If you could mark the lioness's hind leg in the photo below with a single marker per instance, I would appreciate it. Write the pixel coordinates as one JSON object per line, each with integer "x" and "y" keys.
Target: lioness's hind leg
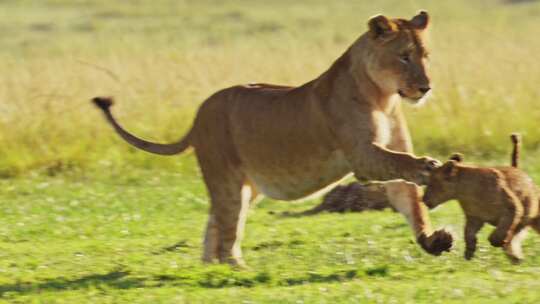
{"x": 229, "y": 205}
{"x": 211, "y": 239}
{"x": 230, "y": 208}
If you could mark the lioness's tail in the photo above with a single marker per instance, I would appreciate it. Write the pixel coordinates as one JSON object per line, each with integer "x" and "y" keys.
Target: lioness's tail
{"x": 104, "y": 103}
{"x": 516, "y": 141}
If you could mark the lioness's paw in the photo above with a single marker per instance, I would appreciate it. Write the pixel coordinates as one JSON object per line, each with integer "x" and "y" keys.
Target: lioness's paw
{"x": 429, "y": 164}
{"x": 437, "y": 243}
{"x": 425, "y": 165}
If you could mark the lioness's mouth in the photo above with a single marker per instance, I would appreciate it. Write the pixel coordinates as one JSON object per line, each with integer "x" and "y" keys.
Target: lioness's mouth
{"x": 416, "y": 100}
{"x": 403, "y": 95}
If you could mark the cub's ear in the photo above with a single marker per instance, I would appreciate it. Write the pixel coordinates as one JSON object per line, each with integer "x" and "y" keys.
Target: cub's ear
{"x": 458, "y": 157}
{"x": 420, "y": 21}
{"x": 450, "y": 169}
{"x": 380, "y": 26}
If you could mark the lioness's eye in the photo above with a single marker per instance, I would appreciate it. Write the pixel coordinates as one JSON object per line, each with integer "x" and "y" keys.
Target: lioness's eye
{"x": 405, "y": 58}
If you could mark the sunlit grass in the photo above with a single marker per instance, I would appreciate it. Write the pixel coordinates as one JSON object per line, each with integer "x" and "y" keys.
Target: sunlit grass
{"x": 163, "y": 58}
{"x": 135, "y": 236}
{"x": 87, "y": 219}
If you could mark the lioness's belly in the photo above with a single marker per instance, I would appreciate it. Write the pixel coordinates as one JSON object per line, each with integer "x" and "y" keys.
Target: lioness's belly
{"x": 301, "y": 178}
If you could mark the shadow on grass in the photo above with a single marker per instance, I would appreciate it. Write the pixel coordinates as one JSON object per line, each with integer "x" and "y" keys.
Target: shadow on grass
{"x": 115, "y": 279}
{"x": 207, "y": 278}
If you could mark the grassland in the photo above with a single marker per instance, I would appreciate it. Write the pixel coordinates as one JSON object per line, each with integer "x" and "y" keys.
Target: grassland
{"x": 86, "y": 219}
{"x": 135, "y": 237}
{"x": 163, "y": 58}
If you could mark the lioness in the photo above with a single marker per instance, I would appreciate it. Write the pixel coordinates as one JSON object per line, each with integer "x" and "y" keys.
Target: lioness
{"x": 505, "y": 197}
{"x": 289, "y": 142}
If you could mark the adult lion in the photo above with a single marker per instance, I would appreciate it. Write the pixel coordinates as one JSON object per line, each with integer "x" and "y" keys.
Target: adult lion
{"x": 289, "y": 142}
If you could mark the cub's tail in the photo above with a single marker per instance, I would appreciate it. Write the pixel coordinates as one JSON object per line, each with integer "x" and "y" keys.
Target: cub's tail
{"x": 105, "y": 103}
{"x": 516, "y": 141}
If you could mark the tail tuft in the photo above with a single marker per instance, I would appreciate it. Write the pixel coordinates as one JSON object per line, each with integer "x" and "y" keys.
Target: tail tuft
{"x": 516, "y": 138}
{"x": 104, "y": 103}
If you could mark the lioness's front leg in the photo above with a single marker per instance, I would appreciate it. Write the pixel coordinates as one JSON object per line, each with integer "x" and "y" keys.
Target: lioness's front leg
{"x": 400, "y": 140}
{"x": 371, "y": 161}
{"x": 406, "y": 198}
{"x": 384, "y": 164}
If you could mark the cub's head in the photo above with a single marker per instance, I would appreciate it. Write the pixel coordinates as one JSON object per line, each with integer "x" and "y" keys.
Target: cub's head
{"x": 395, "y": 55}
{"x": 442, "y": 182}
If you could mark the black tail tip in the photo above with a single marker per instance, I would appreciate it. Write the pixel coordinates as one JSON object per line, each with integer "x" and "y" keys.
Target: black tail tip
{"x": 103, "y": 103}
{"x": 515, "y": 137}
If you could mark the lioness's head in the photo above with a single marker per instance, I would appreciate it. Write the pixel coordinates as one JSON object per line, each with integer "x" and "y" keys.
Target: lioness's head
{"x": 395, "y": 56}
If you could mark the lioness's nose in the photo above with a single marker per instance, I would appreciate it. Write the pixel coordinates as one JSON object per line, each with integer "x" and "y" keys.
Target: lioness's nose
{"x": 424, "y": 90}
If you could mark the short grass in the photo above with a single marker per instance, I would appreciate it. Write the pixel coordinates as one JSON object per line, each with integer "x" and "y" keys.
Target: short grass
{"x": 135, "y": 237}
{"x": 85, "y": 219}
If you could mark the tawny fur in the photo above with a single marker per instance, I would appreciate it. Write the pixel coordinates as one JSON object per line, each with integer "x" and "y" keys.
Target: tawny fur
{"x": 505, "y": 197}
{"x": 288, "y": 142}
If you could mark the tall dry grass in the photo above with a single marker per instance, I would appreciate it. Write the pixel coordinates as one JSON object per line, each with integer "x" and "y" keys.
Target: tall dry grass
{"x": 160, "y": 59}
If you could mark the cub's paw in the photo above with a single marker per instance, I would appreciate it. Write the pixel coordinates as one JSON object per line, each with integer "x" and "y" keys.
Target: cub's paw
{"x": 437, "y": 243}
{"x": 496, "y": 240}
{"x": 469, "y": 254}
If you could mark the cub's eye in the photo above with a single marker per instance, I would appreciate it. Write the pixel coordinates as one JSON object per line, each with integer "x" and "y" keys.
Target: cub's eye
{"x": 405, "y": 58}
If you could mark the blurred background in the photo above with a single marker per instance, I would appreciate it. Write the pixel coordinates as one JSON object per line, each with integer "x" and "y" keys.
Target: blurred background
{"x": 162, "y": 58}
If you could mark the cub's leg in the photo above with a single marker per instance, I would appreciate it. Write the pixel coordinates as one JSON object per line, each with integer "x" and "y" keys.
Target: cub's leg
{"x": 513, "y": 249}
{"x": 472, "y": 226}
{"x": 405, "y": 197}
{"x": 535, "y": 224}
{"x": 508, "y": 223}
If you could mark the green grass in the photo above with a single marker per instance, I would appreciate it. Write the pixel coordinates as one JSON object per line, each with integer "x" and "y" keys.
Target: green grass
{"x": 135, "y": 236}
{"x": 86, "y": 219}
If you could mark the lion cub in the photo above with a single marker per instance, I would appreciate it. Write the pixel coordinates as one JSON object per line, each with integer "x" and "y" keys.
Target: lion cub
{"x": 505, "y": 197}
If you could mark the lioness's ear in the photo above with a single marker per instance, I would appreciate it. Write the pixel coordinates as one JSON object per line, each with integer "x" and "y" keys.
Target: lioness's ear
{"x": 380, "y": 26}
{"x": 420, "y": 21}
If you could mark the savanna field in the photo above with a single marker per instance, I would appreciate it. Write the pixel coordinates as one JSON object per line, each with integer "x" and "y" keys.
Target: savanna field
{"x": 86, "y": 219}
